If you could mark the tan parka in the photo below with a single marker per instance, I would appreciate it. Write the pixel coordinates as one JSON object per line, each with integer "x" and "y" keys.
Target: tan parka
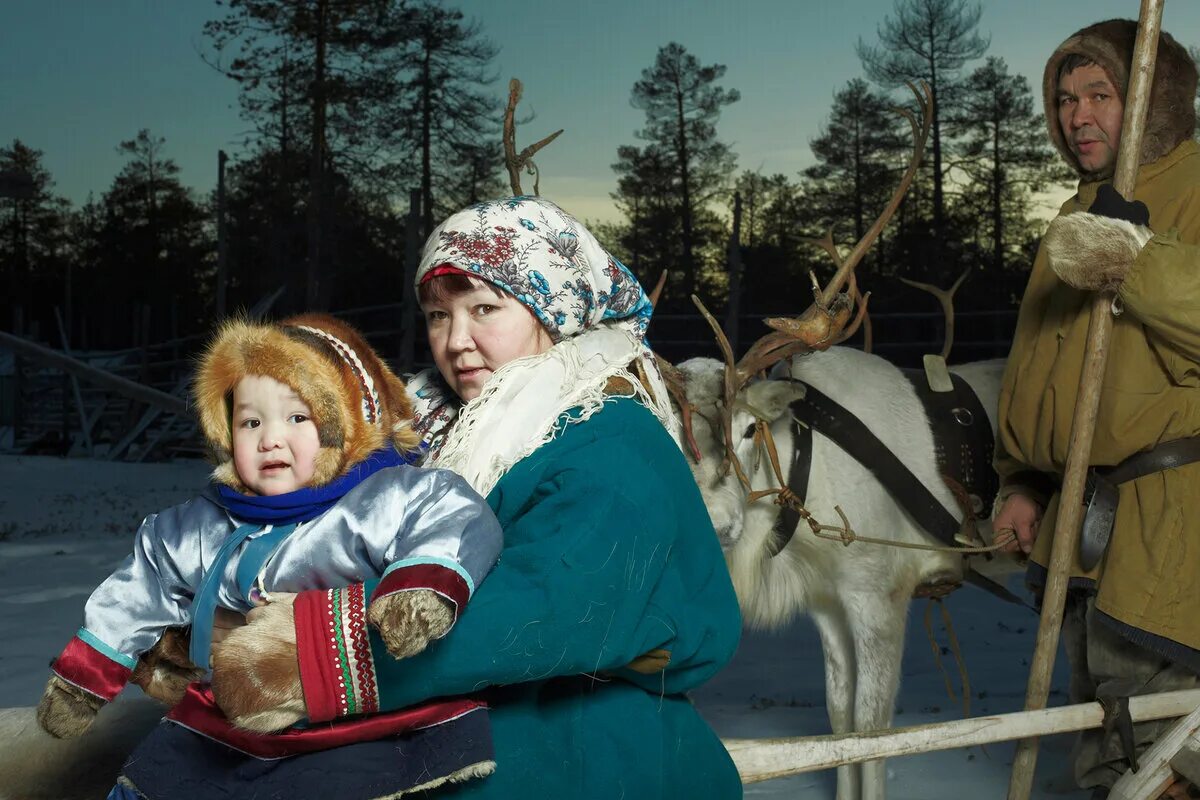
{"x": 1149, "y": 580}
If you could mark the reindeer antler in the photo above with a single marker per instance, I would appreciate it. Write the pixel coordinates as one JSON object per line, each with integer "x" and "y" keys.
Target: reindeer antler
{"x": 946, "y": 298}
{"x": 831, "y": 318}
{"x": 517, "y": 161}
{"x": 656, "y": 292}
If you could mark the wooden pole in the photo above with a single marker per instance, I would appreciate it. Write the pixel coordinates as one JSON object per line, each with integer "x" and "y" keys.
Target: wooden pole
{"x": 1083, "y": 425}
{"x": 764, "y": 759}
{"x": 114, "y": 383}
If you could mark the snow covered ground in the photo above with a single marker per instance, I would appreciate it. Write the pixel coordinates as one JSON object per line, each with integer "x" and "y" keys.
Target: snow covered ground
{"x": 64, "y": 524}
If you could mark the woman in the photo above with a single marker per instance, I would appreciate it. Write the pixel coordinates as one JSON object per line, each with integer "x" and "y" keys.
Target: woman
{"x": 611, "y": 598}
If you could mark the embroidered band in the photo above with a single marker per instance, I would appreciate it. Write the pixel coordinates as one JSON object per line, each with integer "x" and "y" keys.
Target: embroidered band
{"x": 370, "y": 396}
{"x": 337, "y": 670}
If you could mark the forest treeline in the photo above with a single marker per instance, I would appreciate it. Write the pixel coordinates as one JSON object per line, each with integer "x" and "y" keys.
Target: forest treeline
{"x": 354, "y": 105}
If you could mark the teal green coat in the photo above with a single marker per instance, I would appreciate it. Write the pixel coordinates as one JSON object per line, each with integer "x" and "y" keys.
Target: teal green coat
{"x": 608, "y": 554}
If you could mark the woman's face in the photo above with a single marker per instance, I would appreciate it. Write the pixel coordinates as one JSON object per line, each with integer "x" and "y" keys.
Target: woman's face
{"x": 475, "y": 333}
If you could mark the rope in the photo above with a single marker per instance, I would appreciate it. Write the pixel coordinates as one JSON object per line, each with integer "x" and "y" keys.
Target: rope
{"x": 954, "y": 648}
{"x": 839, "y": 533}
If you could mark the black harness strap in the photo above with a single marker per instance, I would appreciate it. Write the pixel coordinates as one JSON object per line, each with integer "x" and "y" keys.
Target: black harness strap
{"x": 962, "y": 437}
{"x": 815, "y": 411}
{"x": 797, "y": 482}
{"x": 849, "y": 433}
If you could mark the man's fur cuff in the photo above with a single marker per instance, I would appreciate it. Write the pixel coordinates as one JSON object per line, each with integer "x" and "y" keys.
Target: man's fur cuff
{"x": 1093, "y": 252}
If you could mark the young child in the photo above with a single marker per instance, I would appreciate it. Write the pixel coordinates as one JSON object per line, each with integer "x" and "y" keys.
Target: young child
{"x": 312, "y": 439}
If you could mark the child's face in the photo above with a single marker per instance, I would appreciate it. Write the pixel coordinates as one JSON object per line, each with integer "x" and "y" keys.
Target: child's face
{"x": 275, "y": 442}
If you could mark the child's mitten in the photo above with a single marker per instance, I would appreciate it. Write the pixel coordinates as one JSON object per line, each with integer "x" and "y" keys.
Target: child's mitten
{"x": 408, "y": 621}
{"x": 256, "y": 675}
{"x": 67, "y": 711}
{"x": 164, "y": 671}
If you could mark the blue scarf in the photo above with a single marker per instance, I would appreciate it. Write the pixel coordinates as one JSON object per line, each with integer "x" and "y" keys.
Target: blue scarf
{"x": 308, "y": 503}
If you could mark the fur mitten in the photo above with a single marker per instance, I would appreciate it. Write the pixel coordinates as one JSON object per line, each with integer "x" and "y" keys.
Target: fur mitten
{"x": 256, "y": 674}
{"x": 67, "y": 711}
{"x": 408, "y": 621}
{"x": 1094, "y": 252}
{"x": 165, "y": 670}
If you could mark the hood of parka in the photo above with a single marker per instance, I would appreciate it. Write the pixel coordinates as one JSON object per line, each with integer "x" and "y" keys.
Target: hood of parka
{"x": 1171, "y": 118}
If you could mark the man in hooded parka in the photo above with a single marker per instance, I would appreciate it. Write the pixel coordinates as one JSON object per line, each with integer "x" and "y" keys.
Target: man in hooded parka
{"x": 1132, "y": 623}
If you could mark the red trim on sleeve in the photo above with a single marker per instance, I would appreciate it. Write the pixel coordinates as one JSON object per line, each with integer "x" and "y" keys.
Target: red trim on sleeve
{"x": 443, "y": 580}
{"x": 84, "y": 666}
{"x": 317, "y": 669}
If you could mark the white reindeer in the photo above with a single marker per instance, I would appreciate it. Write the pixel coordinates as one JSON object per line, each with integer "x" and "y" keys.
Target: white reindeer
{"x": 858, "y": 596}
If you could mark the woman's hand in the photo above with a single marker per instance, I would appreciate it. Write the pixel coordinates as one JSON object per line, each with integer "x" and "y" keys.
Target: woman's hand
{"x": 1022, "y": 515}
{"x": 256, "y": 675}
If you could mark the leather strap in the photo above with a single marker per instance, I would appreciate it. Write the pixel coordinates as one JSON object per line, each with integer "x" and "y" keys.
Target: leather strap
{"x": 849, "y": 433}
{"x": 1168, "y": 455}
{"x": 829, "y": 419}
{"x": 962, "y": 436}
{"x": 797, "y": 482}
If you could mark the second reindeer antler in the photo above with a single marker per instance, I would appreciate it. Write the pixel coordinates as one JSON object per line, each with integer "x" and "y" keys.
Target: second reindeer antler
{"x": 524, "y": 160}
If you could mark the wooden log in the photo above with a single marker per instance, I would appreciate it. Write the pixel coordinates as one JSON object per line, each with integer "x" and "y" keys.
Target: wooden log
{"x": 1187, "y": 761}
{"x": 100, "y": 377}
{"x": 764, "y": 759}
{"x": 1087, "y": 404}
{"x": 1155, "y": 773}
{"x": 36, "y": 766}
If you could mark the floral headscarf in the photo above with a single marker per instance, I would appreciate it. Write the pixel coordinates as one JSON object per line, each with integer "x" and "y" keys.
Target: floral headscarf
{"x": 593, "y": 307}
{"x": 537, "y": 252}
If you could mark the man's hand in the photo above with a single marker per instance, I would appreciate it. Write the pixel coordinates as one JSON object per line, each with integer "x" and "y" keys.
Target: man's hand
{"x": 1094, "y": 251}
{"x": 1022, "y": 515}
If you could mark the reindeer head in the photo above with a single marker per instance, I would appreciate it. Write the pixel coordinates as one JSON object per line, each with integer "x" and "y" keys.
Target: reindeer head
{"x": 764, "y": 400}
{"x": 723, "y": 405}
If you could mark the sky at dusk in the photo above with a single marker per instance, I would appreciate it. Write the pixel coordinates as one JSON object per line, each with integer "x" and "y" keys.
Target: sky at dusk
{"x": 79, "y": 76}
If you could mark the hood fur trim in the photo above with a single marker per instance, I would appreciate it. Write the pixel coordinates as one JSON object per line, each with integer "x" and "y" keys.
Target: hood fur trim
{"x": 324, "y": 380}
{"x": 1171, "y": 118}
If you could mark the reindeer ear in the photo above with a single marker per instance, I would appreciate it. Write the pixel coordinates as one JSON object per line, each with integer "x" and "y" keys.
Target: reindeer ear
{"x": 771, "y": 398}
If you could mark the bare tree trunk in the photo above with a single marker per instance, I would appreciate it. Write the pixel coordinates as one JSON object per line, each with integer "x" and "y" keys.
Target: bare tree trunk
{"x": 997, "y": 210}
{"x": 685, "y": 197}
{"x": 316, "y": 163}
{"x": 426, "y": 144}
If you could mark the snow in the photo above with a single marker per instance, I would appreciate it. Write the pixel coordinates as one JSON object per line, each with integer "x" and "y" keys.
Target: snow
{"x": 66, "y": 523}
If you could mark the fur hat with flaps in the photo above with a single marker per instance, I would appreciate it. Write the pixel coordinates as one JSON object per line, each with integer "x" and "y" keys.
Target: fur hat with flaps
{"x": 357, "y": 403}
{"x": 1171, "y": 118}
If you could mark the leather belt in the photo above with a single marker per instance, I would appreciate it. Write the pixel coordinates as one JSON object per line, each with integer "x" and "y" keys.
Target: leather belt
{"x": 1100, "y": 495}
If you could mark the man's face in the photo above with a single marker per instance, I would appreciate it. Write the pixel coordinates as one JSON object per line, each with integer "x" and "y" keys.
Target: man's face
{"x": 1090, "y": 113}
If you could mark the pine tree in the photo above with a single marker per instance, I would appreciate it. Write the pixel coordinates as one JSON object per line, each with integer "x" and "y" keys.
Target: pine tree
{"x": 319, "y": 60}
{"x": 444, "y": 113}
{"x": 857, "y": 152}
{"x": 34, "y": 236}
{"x": 1003, "y": 151}
{"x": 154, "y": 243}
{"x": 927, "y": 40}
{"x": 682, "y": 103}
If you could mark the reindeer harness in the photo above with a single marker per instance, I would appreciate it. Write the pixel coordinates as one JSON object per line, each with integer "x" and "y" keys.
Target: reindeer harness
{"x": 963, "y": 445}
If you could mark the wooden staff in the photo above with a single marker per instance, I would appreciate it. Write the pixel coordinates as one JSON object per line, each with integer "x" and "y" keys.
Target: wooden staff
{"x": 1083, "y": 425}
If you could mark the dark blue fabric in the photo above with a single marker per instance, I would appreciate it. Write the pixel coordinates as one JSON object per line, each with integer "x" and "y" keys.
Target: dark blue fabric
{"x": 120, "y": 792}
{"x": 308, "y": 503}
{"x": 173, "y": 762}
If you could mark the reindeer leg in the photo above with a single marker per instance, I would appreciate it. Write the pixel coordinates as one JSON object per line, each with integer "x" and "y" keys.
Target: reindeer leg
{"x": 877, "y": 622}
{"x": 838, "y": 647}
